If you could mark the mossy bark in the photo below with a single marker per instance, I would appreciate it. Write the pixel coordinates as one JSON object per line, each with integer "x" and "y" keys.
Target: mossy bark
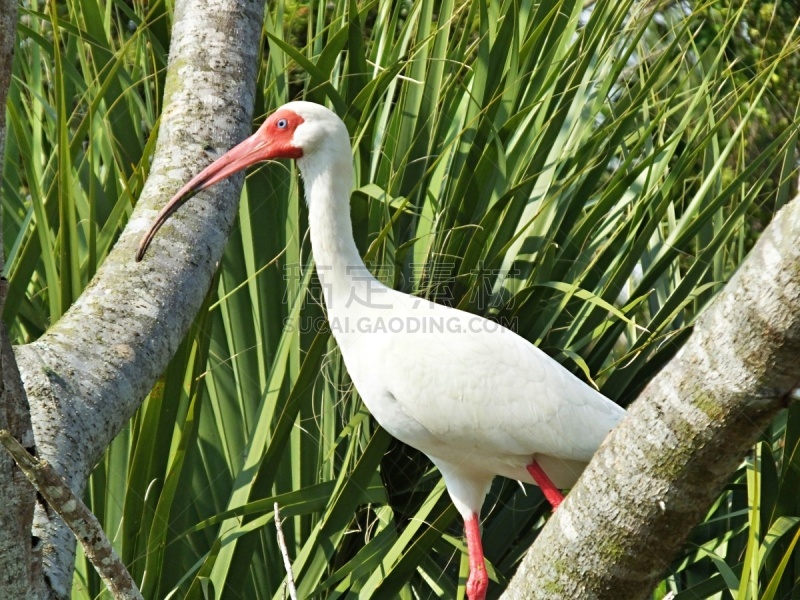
{"x": 18, "y": 557}
{"x": 659, "y": 471}
{"x": 91, "y": 370}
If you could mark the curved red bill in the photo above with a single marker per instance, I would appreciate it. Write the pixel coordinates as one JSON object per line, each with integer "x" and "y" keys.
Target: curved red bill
{"x": 267, "y": 143}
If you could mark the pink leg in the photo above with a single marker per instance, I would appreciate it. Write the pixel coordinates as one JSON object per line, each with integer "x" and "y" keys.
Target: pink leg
{"x": 478, "y": 579}
{"x": 550, "y": 491}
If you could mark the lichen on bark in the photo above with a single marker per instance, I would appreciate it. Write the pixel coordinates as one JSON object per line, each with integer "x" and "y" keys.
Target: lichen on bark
{"x": 657, "y": 474}
{"x": 91, "y": 370}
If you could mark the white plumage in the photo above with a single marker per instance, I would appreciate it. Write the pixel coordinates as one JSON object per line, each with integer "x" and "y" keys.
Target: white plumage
{"x": 477, "y": 398}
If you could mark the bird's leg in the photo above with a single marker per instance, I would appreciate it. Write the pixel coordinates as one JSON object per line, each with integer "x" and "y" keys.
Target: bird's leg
{"x": 478, "y": 579}
{"x": 550, "y": 491}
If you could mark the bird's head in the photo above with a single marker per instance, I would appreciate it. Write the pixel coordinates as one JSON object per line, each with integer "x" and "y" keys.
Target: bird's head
{"x": 301, "y": 130}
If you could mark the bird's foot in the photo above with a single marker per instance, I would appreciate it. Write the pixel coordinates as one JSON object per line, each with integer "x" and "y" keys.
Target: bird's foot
{"x": 477, "y": 584}
{"x": 478, "y": 581}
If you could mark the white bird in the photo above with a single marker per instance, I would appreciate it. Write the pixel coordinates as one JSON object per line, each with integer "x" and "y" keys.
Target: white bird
{"x": 475, "y": 397}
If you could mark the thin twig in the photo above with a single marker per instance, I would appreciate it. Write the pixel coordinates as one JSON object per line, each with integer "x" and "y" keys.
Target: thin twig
{"x": 287, "y": 564}
{"x": 78, "y": 518}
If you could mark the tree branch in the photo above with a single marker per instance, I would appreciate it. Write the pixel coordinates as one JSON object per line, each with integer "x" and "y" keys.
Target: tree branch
{"x": 659, "y": 471}
{"x": 78, "y": 518}
{"x": 20, "y": 560}
{"x": 87, "y": 375}
{"x": 19, "y": 563}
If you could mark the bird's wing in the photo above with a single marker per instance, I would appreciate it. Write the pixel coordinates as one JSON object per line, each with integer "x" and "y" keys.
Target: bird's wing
{"x": 475, "y": 385}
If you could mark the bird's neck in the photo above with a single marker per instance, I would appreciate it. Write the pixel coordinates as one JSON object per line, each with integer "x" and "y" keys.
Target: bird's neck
{"x": 344, "y": 278}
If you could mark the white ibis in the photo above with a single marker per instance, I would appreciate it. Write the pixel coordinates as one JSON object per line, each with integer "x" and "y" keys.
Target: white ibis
{"x": 475, "y": 397}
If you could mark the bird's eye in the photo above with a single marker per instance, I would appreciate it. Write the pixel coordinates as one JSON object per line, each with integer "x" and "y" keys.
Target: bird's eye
{"x": 282, "y": 124}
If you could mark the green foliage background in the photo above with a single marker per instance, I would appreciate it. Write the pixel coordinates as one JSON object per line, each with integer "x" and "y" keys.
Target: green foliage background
{"x": 589, "y": 174}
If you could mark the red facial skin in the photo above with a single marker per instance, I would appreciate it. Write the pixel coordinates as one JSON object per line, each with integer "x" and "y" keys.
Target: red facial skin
{"x": 272, "y": 140}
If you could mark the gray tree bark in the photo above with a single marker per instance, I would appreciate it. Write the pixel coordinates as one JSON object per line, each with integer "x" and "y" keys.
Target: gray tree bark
{"x": 87, "y": 375}
{"x": 18, "y": 557}
{"x": 659, "y": 471}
